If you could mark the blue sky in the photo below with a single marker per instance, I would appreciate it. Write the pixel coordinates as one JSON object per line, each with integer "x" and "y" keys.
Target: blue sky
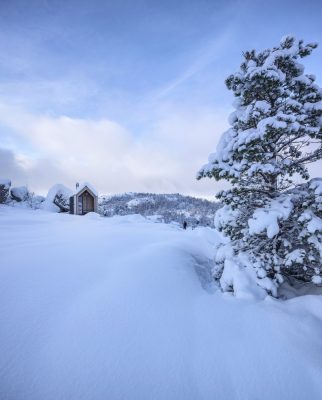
{"x": 129, "y": 95}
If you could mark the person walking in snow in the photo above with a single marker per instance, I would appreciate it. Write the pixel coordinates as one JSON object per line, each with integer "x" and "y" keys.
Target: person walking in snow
{"x": 184, "y": 225}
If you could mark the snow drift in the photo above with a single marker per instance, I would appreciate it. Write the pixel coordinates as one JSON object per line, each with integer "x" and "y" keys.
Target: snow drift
{"x": 112, "y": 308}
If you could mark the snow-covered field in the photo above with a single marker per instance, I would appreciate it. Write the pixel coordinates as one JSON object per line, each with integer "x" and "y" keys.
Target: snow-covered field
{"x": 113, "y": 308}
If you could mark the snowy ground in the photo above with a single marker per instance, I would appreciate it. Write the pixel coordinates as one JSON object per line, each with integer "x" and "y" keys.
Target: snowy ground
{"x": 96, "y": 308}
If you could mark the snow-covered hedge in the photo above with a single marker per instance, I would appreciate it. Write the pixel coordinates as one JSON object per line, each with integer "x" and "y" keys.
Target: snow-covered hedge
{"x": 4, "y": 190}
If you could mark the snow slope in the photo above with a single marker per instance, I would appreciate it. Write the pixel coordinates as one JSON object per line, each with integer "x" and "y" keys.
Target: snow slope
{"x": 112, "y": 308}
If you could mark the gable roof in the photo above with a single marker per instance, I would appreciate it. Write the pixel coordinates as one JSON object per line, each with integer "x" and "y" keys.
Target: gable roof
{"x": 83, "y": 186}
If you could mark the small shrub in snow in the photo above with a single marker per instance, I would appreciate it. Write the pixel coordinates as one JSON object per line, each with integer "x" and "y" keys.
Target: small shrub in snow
{"x": 274, "y": 226}
{"x": 19, "y": 193}
{"x": 4, "y": 190}
{"x": 35, "y": 201}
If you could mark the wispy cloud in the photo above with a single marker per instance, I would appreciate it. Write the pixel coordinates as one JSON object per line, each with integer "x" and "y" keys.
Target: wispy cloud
{"x": 201, "y": 59}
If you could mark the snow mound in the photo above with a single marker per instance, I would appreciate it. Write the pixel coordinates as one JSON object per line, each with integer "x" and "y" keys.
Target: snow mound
{"x": 19, "y": 193}
{"x": 127, "y": 219}
{"x": 92, "y": 215}
{"x": 57, "y": 199}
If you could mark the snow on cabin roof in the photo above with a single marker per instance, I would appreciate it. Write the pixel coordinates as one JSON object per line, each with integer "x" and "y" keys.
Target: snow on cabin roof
{"x": 86, "y": 185}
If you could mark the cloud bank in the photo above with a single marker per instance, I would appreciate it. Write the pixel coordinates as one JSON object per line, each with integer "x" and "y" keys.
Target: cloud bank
{"x": 64, "y": 149}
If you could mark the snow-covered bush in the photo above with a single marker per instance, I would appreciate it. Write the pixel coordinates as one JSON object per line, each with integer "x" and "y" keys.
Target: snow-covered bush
{"x": 4, "y": 190}
{"x": 57, "y": 199}
{"x": 275, "y": 133}
{"x": 25, "y": 198}
{"x": 19, "y": 193}
{"x": 35, "y": 201}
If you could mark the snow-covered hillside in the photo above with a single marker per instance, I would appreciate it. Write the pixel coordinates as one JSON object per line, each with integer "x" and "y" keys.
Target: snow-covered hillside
{"x": 168, "y": 207}
{"x": 123, "y": 308}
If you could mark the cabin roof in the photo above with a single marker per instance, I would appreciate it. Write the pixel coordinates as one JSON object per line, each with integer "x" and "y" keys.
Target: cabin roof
{"x": 83, "y": 186}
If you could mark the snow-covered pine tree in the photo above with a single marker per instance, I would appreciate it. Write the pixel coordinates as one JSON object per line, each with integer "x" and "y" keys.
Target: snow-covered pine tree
{"x": 275, "y": 132}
